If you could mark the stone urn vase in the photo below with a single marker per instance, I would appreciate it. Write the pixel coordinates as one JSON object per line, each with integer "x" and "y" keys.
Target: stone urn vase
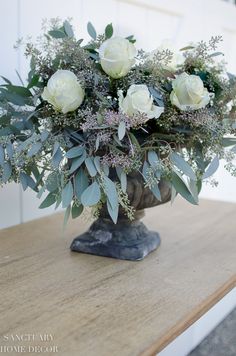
{"x": 126, "y": 240}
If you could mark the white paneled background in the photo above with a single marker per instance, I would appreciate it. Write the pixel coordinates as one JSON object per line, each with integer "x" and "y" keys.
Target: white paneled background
{"x": 149, "y": 20}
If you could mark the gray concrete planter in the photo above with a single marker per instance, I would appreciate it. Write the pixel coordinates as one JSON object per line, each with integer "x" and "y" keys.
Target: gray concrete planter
{"x": 126, "y": 240}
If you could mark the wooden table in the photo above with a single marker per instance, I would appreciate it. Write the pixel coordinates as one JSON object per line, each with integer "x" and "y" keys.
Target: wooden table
{"x": 95, "y": 306}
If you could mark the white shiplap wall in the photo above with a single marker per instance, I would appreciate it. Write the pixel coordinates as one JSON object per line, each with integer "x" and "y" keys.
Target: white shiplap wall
{"x": 149, "y": 20}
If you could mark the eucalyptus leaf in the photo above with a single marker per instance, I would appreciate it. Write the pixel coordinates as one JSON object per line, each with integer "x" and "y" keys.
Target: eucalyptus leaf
{"x": 113, "y": 211}
{"x": 109, "y": 31}
{"x": 76, "y": 210}
{"x": 182, "y": 189}
{"x": 53, "y": 181}
{"x": 90, "y": 167}
{"x": 212, "y": 168}
{"x": 36, "y": 147}
{"x": 75, "y": 152}
{"x": 7, "y": 171}
{"x": 57, "y": 158}
{"x": 76, "y": 163}
{"x": 27, "y": 181}
{"x": 153, "y": 159}
{"x": 111, "y": 192}
{"x": 80, "y": 183}
{"x": 97, "y": 163}
{"x": 91, "y": 195}
{"x": 68, "y": 29}
{"x": 66, "y": 216}
{"x": 121, "y": 130}
{"x": 67, "y": 195}
{"x": 48, "y": 201}
{"x": 44, "y": 135}
{"x": 228, "y": 141}
{"x": 2, "y": 155}
{"x": 123, "y": 181}
{"x": 181, "y": 164}
{"x": 156, "y": 191}
{"x": 9, "y": 149}
{"x": 57, "y": 34}
{"x": 33, "y": 82}
{"x": 91, "y": 31}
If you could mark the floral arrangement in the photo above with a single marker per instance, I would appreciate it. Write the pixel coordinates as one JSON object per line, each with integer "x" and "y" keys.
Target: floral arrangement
{"x": 105, "y": 107}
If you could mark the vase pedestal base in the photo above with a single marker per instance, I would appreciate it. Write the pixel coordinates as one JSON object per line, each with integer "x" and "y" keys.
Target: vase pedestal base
{"x": 125, "y": 240}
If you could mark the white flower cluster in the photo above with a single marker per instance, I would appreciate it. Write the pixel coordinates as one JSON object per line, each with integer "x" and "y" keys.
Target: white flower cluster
{"x": 117, "y": 56}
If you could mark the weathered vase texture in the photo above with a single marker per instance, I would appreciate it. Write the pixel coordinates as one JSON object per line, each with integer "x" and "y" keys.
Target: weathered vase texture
{"x": 128, "y": 240}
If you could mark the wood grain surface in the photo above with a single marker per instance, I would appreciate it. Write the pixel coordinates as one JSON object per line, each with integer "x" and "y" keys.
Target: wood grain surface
{"x": 97, "y": 306}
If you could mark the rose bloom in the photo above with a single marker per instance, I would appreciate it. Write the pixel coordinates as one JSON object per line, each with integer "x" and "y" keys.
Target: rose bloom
{"x": 189, "y": 93}
{"x": 177, "y": 58}
{"x": 117, "y": 55}
{"x": 63, "y": 91}
{"x": 139, "y": 100}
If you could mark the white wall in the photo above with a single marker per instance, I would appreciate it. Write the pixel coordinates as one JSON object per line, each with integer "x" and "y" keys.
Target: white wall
{"x": 149, "y": 20}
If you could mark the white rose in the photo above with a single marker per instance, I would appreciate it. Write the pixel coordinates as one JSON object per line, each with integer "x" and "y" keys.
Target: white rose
{"x": 189, "y": 93}
{"x": 139, "y": 100}
{"x": 63, "y": 91}
{"x": 117, "y": 55}
{"x": 177, "y": 58}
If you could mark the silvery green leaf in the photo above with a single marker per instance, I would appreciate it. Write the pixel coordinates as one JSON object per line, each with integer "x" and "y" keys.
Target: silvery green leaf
{"x": 91, "y": 195}
{"x": 153, "y": 158}
{"x": 75, "y": 152}
{"x": 44, "y": 135}
{"x": 7, "y": 171}
{"x": 193, "y": 186}
{"x": 116, "y": 138}
{"x": 212, "y": 168}
{"x": 181, "y": 164}
{"x": 55, "y": 148}
{"x": 76, "y": 211}
{"x": 36, "y": 147}
{"x": 9, "y": 149}
{"x": 156, "y": 192}
{"x": 76, "y": 163}
{"x": 145, "y": 170}
{"x": 57, "y": 158}
{"x": 123, "y": 181}
{"x": 228, "y": 141}
{"x": 23, "y": 181}
{"x": 67, "y": 195}
{"x": 121, "y": 130}
{"x": 40, "y": 192}
{"x": 111, "y": 192}
{"x": 90, "y": 167}
{"x": 173, "y": 194}
{"x": 97, "y": 163}
{"x": 27, "y": 181}
{"x": 66, "y": 216}
{"x": 97, "y": 143}
{"x": 91, "y": 31}
{"x": 80, "y": 183}
{"x": 57, "y": 33}
{"x": 68, "y": 29}
{"x": 2, "y": 155}
{"x": 233, "y": 149}
{"x": 53, "y": 181}
{"x": 48, "y": 201}
{"x": 181, "y": 188}
{"x": 106, "y": 170}
{"x": 113, "y": 211}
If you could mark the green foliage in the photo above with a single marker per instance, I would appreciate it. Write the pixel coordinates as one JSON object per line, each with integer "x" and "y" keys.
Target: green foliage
{"x": 91, "y": 31}
{"x": 84, "y": 158}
